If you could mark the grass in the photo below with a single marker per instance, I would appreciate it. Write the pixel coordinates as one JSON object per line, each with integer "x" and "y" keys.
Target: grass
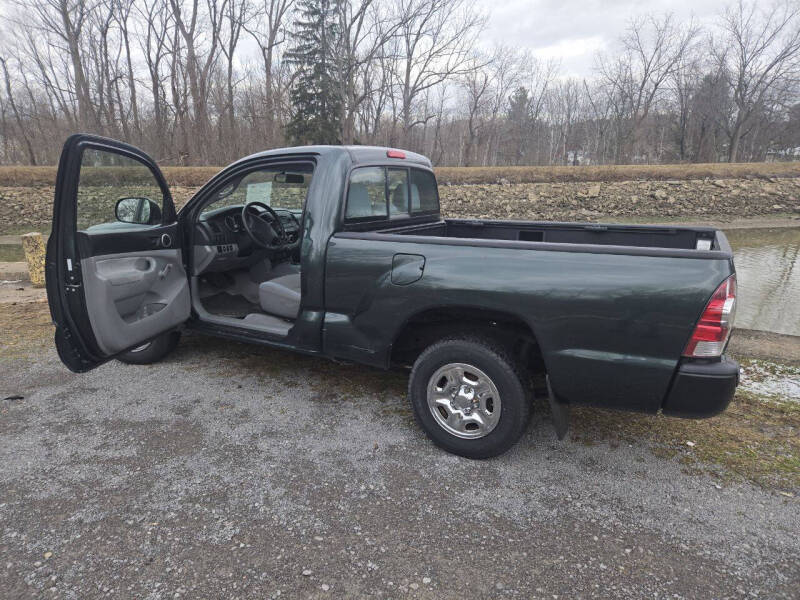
{"x": 23, "y": 176}
{"x": 11, "y": 253}
{"x": 756, "y": 439}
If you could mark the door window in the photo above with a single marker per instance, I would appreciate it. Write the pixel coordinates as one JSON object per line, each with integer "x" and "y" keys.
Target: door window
{"x": 115, "y": 191}
{"x": 366, "y": 195}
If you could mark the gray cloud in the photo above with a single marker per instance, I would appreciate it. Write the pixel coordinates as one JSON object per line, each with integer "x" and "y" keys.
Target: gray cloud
{"x": 574, "y": 31}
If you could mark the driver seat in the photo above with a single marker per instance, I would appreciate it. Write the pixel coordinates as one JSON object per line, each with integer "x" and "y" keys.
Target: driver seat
{"x": 281, "y": 296}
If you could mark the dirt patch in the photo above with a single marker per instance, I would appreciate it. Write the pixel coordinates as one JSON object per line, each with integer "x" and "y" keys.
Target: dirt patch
{"x": 25, "y": 328}
{"x": 766, "y": 345}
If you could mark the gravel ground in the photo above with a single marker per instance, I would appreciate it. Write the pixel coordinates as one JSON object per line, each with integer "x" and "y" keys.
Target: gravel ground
{"x": 230, "y": 471}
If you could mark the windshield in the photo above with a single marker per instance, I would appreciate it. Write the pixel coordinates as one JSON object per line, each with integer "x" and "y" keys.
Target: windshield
{"x": 279, "y": 187}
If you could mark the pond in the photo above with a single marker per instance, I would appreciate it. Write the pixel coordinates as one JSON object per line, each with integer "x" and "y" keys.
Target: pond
{"x": 768, "y": 273}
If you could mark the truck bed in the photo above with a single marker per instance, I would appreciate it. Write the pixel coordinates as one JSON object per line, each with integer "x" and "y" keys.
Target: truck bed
{"x": 615, "y": 303}
{"x": 633, "y": 239}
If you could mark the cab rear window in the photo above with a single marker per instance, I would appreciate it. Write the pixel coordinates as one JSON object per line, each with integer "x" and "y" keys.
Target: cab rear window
{"x": 424, "y": 193}
{"x": 381, "y": 193}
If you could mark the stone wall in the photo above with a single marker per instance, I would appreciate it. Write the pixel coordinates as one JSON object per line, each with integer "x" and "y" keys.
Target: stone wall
{"x": 29, "y": 208}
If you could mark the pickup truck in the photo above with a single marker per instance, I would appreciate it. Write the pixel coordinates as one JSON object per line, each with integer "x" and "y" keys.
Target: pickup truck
{"x": 342, "y": 252}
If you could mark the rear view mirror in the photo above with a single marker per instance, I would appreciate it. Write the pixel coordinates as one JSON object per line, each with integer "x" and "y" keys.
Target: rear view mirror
{"x": 138, "y": 211}
{"x": 296, "y": 178}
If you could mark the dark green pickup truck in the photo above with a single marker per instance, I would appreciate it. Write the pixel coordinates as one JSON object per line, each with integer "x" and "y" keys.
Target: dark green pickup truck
{"x": 342, "y": 252}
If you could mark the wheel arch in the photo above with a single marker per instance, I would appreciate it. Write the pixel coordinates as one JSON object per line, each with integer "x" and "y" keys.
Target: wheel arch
{"x": 425, "y": 327}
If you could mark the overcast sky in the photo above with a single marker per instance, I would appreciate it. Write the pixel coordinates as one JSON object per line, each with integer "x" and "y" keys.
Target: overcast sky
{"x": 572, "y": 31}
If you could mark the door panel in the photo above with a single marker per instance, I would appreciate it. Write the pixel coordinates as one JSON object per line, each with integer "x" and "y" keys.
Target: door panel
{"x": 134, "y": 296}
{"x": 115, "y": 274}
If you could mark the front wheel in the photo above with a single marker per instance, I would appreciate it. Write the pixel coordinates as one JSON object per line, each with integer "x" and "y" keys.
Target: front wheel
{"x": 153, "y": 351}
{"x": 470, "y": 396}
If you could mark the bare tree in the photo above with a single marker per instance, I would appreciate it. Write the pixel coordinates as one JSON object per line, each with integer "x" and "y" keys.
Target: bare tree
{"x": 436, "y": 37}
{"x": 651, "y": 50}
{"x": 15, "y": 111}
{"x": 268, "y": 30}
{"x": 200, "y": 36}
{"x": 177, "y": 78}
{"x": 758, "y": 51}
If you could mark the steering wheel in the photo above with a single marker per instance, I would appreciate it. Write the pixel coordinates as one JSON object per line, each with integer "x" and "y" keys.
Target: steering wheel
{"x": 266, "y": 230}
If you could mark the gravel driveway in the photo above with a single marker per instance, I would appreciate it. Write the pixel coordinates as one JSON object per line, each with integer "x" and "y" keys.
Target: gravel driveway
{"x": 232, "y": 471}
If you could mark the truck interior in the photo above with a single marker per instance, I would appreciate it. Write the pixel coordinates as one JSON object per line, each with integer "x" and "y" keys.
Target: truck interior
{"x": 245, "y": 250}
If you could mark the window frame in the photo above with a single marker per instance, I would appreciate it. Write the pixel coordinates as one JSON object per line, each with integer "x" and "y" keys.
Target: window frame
{"x": 359, "y": 223}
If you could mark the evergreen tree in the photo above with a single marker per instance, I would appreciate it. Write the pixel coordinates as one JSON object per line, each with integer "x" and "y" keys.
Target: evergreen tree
{"x": 519, "y": 124}
{"x": 315, "y": 95}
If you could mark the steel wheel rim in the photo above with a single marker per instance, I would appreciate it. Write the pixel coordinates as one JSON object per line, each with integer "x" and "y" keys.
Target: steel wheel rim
{"x": 464, "y": 401}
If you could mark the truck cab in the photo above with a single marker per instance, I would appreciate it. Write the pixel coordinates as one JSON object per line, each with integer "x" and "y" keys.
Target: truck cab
{"x": 245, "y": 256}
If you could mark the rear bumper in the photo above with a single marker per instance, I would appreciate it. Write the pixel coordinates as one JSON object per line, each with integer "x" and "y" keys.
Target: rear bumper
{"x": 702, "y": 390}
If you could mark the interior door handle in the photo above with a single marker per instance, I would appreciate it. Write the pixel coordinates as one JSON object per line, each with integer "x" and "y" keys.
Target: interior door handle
{"x": 165, "y": 271}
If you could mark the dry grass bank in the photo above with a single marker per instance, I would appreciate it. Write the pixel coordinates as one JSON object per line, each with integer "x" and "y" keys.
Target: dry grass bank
{"x": 22, "y": 176}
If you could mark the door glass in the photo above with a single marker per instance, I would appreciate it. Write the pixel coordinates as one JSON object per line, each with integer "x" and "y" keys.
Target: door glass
{"x": 366, "y": 196}
{"x": 115, "y": 191}
{"x": 398, "y": 192}
{"x": 424, "y": 197}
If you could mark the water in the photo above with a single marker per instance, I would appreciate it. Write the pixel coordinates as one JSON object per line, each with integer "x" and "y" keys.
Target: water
{"x": 768, "y": 273}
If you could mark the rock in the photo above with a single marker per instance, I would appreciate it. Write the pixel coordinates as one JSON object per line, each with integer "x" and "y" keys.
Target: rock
{"x": 307, "y": 573}
{"x": 659, "y": 194}
{"x": 426, "y": 580}
{"x": 47, "y": 555}
{"x": 719, "y": 183}
{"x": 325, "y": 587}
{"x": 594, "y": 191}
{"x": 414, "y": 586}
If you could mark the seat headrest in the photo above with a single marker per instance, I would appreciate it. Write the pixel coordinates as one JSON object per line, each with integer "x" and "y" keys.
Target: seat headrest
{"x": 399, "y": 198}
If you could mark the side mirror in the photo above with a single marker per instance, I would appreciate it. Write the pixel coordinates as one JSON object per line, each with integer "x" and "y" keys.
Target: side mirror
{"x": 139, "y": 211}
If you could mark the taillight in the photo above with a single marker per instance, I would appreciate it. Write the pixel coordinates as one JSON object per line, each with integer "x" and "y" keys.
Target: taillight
{"x": 711, "y": 333}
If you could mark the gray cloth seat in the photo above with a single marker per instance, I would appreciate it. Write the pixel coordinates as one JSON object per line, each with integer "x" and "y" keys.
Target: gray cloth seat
{"x": 281, "y": 296}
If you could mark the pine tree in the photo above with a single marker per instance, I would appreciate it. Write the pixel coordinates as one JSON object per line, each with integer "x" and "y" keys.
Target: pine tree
{"x": 315, "y": 95}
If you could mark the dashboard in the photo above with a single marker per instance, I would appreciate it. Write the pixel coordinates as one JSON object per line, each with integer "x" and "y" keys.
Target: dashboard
{"x": 221, "y": 241}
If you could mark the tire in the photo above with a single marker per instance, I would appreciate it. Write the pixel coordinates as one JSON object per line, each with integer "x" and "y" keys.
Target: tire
{"x": 153, "y": 351}
{"x": 488, "y": 360}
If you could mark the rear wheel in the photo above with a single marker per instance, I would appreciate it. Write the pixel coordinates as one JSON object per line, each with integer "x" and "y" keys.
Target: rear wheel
{"x": 153, "y": 351}
{"x": 470, "y": 396}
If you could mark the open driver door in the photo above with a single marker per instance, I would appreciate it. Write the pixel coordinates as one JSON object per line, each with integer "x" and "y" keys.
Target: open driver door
{"x": 114, "y": 265}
